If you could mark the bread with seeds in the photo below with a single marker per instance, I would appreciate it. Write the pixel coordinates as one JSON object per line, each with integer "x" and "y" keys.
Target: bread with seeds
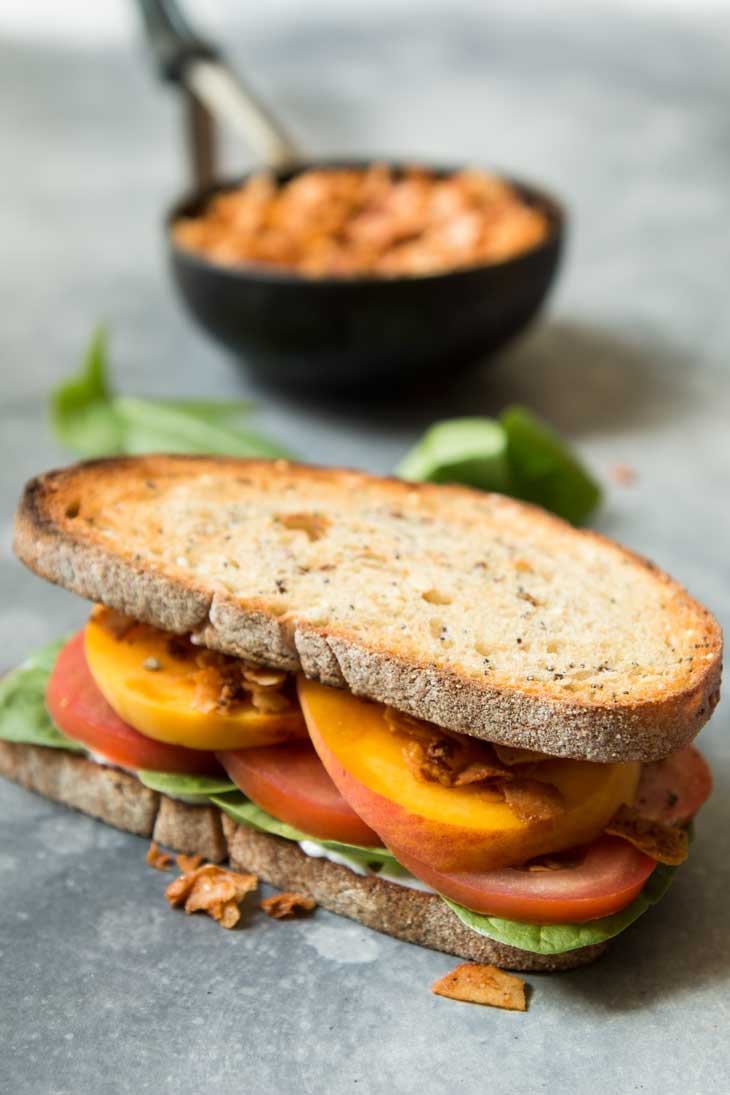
{"x": 479, "y": 613}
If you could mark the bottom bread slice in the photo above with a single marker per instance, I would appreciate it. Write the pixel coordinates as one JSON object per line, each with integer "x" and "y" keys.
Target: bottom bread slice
{"x": 121, "y": 800}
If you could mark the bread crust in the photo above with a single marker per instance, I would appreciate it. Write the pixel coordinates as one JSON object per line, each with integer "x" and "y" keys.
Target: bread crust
{"x": 528, "y": 716}
{"x": 105, "y": 793}
{"x": 121, "y": 800}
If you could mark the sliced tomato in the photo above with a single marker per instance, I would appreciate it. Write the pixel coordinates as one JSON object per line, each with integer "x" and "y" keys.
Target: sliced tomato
{"x": 672, "y": 790}
{"x": 608, "y": 876}
{"x": 290, "y": 782}
{"x": 78, "y": 708}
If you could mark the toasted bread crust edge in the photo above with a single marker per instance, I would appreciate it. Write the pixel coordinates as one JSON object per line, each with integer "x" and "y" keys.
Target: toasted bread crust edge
{"x": 643, "y": 731}
{"x": 121, "y": 800}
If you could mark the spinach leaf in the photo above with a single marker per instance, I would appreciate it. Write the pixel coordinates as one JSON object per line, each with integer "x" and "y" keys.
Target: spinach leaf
{"x": 557, "y": 938}
{"x": 23, "y": 714}
{"x": 472, "y": 451}
{"x": 83, "y": 414}
{"x": 90, "y": 420}
{"x": 183, "y": 786}
{"x": 517, "y": 454}
{"x": 245, "y": 812}
{"x": 544, "y": 470}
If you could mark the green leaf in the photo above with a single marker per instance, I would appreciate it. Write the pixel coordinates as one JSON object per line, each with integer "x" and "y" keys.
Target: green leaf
{"x": 230, "y": 412}
{"x": 518, "y": 455}
{"x": 544, "y": 470}
{"x": 23, "y": 714}
{"x": 179, "y": 785}
{"x": 91, "y": 421}
{"x": 472, "y": 451}
{"x": 82, "y": 411}
{"x": 557, "y": 938}
{"x": 160, "y": 426}
{"x": 245, "y": 812}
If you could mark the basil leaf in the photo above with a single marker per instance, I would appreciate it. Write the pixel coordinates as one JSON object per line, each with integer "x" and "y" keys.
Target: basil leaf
{"x": 91, "y": 420}
{"x": 23, "y": 714}
{"x": 159, "y": 426}
{"x": 245, "y": 812}
{"x": 179, "y": 785}
{"x": 544, "y": 470}
{"x": 557, "y": 938}
{"x": 82, "y": 410}
{"x": 472, "y": 451}
{"x": 517, "y": 455}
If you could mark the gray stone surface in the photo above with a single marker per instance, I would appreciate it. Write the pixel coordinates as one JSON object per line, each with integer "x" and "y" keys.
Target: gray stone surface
{"x": 104, "y": 990}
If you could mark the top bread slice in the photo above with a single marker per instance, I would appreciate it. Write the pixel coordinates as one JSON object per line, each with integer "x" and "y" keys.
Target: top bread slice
{"x": 477, "y": 612}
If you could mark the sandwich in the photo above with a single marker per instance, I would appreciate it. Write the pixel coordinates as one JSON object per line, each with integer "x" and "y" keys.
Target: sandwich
{"x": 443, "y": 713}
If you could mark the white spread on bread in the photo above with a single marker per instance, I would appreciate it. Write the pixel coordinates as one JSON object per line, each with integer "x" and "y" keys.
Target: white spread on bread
{"x": 388, "y": 872}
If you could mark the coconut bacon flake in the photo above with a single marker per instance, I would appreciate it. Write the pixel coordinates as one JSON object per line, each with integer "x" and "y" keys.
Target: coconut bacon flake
{"x": 477, "y": 984}
{"x": 664, "y": 843}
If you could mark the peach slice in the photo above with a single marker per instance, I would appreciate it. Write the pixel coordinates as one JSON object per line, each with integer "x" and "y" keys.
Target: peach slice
{"x": 450, "y": 828}
{"x": 153, "y": 689}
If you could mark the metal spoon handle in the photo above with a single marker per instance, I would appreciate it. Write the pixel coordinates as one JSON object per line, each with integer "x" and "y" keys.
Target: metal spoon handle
{"x": 185, "y": 58}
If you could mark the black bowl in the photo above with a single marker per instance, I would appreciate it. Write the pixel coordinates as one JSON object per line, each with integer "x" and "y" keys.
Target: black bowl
{"x": 361, "y": 331}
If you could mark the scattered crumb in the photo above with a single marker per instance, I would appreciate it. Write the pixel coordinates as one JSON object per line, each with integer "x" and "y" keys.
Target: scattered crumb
{"x": 188, "y": 863}
{"x": 214, "y": 890}
{"x": 283, "y": 905}
{"x": 161, "y": 861}
{"x": 623, "y": 474}
{"x": 476, "y": 984}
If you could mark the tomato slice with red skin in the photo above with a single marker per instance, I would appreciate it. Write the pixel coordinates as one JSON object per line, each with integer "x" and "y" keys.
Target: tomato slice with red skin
{"x": 609, "y": 873}
{"x": 290, "y": 782}
{"x": 80, "y": 711}
{"x": 672, "y": 790}
{"x": 608, "y": 876}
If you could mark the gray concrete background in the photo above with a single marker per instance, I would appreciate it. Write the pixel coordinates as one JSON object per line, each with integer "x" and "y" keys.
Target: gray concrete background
{"x": 104, "y": 990}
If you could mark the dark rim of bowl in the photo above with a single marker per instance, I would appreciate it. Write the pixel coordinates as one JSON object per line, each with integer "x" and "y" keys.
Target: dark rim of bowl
{"x": 196, "y": 200}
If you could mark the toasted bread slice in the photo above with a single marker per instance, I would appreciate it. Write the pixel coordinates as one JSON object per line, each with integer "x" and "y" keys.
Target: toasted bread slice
{"x": 472, "y": 610}
{"x": 121, "y": 800}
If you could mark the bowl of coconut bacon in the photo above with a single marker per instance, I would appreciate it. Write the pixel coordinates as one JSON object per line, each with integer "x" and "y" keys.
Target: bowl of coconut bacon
{"x": 365, "y": 274}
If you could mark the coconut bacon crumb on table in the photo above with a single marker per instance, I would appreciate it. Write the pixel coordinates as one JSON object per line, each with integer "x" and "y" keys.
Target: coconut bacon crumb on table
{"x": 477, "y": 984}
{"x": 212, "y": 889}
{"x": 282, "y": 906}
{"x": 365, "y": 222}
{"x": 158, "y": 859}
